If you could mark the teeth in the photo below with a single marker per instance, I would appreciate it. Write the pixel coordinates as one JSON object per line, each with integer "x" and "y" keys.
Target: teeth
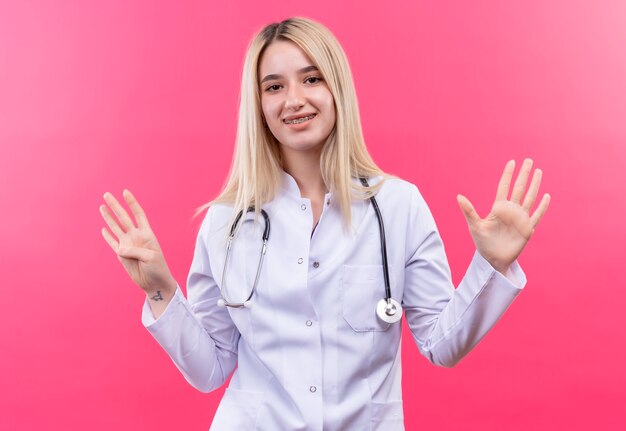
{"x": 300, "y": 120}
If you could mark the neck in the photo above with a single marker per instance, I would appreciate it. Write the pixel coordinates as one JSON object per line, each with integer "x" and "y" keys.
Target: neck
{"x": 305, "y": 169}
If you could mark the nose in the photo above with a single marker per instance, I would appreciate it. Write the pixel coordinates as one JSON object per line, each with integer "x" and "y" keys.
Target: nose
{"x": 295, "y": 99}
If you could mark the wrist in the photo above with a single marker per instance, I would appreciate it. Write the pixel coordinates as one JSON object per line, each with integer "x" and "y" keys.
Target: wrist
{"x": 499, "y": 265}
{"x": 160, "y": 298}
{"x": 162, "y": 293}
{"x": 502, "y": 269}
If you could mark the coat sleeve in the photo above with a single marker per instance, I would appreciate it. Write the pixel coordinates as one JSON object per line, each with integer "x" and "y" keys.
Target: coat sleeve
{"x": 200, "y": 337}
{"x": 447, "y": 323}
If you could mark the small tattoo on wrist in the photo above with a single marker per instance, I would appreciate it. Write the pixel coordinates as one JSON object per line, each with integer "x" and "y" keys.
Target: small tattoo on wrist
{"x": 157, "y": 296}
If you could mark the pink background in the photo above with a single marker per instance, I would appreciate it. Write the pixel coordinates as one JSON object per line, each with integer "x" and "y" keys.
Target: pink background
{"x": 99, "y": 96}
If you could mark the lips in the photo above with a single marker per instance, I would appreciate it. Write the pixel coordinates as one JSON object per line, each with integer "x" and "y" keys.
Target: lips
{"x": 297, "y": 119}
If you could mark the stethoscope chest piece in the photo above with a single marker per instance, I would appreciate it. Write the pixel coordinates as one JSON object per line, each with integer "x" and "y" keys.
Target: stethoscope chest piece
{"x": 389, "y": 310}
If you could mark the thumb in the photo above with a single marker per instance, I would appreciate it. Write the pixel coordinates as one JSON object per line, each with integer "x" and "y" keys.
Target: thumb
{"x": 471, "y": 216}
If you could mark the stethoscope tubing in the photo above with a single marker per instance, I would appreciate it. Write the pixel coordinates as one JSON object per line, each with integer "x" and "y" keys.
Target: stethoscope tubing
{"x": 388, "y": 309}
{"x": 225, "y": 301}
{"x": 383, "y": 242}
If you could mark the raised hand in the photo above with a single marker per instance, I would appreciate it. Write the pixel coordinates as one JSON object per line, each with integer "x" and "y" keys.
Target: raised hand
{"x": 502, "y": 235}
{"x": 137, "y": 248}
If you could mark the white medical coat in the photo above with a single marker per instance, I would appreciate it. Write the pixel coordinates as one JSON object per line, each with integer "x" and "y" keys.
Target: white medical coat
{"x": 311, "y": 353}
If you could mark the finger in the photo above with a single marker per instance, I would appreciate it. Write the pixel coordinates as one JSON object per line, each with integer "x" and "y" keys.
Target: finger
{"x": 119, "y": 211}
{"x": 541, "y": 210}
{"x": 137, "y": 210}
{"x": 505, "y": 181}
{"x": 471, "y": 216}
{"x": 520, "y": 183}
{"x": 109, "y": 239}
{"x": 111, "y": 222}
{"x": 142, "y": 254}
{"x": 531, "y": 195}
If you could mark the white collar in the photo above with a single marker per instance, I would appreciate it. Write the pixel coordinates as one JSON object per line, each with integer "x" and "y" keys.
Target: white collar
{"x": 290, "y": 187}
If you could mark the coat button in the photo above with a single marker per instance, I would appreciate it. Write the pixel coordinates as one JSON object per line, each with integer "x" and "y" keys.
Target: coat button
{"x": 303, "y": 207}
{"x": 328, "y": 201}
{"x": 312, "y": 389}
{"x": 300, "y": 260}
{"x": 316, "y": 264}
{"x": 309, "y": 323}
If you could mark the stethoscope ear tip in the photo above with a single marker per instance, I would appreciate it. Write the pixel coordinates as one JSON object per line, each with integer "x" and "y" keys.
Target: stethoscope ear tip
{"x": 247, "y": 304}
{"x": 221, "y": 302}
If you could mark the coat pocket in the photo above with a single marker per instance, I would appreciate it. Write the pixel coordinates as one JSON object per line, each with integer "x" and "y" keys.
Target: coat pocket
{"x": 238, "y": 410}
{"x": 387, "y": 416}
{"x": 362, "y": 286}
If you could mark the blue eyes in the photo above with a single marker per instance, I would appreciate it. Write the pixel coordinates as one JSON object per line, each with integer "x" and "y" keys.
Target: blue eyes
{"x": 311, "y": 80}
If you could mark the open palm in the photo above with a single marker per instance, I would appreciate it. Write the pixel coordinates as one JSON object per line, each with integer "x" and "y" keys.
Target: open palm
{"x": 502, "y": 235}
{"x": 136, "y": 245}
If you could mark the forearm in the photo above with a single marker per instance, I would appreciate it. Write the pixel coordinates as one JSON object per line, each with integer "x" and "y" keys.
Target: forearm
{"x": 474, "y": 308}
{"x": 204, "y": 361}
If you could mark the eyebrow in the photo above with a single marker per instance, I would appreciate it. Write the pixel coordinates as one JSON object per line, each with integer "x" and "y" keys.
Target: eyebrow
{"x": 303, "y": 70}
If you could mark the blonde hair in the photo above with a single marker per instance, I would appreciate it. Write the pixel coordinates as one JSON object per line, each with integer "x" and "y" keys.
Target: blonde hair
{"x": 256, "y": 171}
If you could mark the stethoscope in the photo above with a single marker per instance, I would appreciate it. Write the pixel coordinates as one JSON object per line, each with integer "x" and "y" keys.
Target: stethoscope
{"x": 387, "y": 309}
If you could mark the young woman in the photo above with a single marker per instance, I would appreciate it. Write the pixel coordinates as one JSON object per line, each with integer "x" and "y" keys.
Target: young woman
{"x": 306, "y": 298}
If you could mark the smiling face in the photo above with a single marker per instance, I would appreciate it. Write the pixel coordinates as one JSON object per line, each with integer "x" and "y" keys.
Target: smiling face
{"x": 297, "y": 105}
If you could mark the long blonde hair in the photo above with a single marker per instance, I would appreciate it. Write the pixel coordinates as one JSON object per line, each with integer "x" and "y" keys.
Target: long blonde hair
{"x": 256, "y": 170}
